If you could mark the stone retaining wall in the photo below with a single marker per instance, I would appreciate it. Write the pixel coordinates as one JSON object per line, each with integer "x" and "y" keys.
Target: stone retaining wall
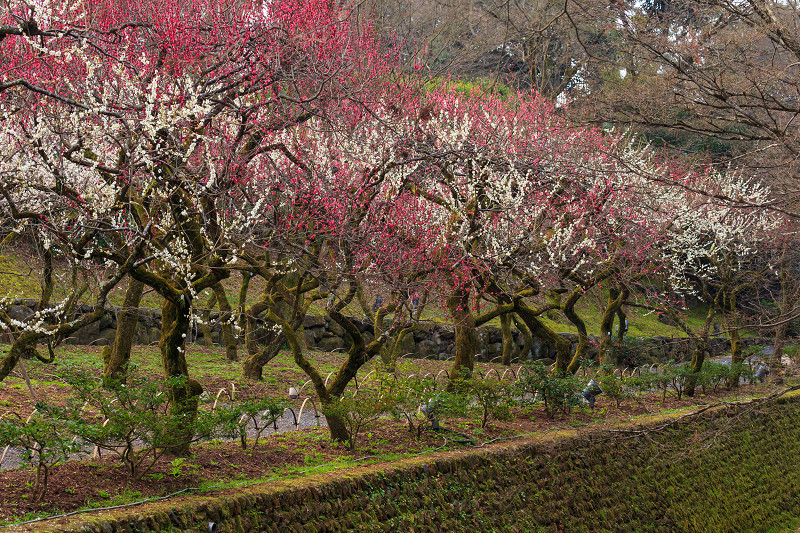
{"x": 431, "y": 340}
{"x": 732, "y": 469}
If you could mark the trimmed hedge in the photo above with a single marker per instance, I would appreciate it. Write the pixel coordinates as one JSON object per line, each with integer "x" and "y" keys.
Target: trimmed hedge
{"x": 733, "y": 469}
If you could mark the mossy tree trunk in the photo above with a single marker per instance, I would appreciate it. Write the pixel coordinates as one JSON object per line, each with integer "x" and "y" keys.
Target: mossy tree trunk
{"x": 390, "y": 350}
{"x": 775, "y": 360}
{"x": 205, "y": 326}
{"x": 25, "y": 341}
{"x": 258, "y": 356}
{"x": 732, "y": 326}
{"x": 581, "y": 288}
{"x": 226, "y": 320}
{"x": 616, "y": 297}
{"x": 175, "y": 320}
{"x": 788, "y": 296}
{"x": 244, "y": 290}
{"x": 701, "y": 349}
{"x": 622, "y": 331}
{"x": 286, "y": 297}
{"x": 359, "y": 353}
{"x": 790, "y": 290}
{"x": 115, "y": 366}
{"x": 466, "y": 325}
{"x": 466, "y": 336}
{"x": 527, "y": 338}
{"x": 250, "y": 341}
{"x": 538, "y": 329}
{"x": 580, "y": 325}
{"x": 508, "y": 339}
{"x": 207, "y": 270}
{"x": 254, "y": 369}
{"x": 357, "y": 356}
{"x": 23, "y": 347}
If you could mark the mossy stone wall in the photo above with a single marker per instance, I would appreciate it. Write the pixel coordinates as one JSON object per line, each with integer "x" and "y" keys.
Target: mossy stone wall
{"x": 431, "y": 340}
{"x": 732, "y": 469}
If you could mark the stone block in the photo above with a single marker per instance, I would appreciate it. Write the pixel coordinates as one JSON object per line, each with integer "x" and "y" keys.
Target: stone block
{"x": 335, "y": 329}
{"x": 407, "y": 345}
{"x": 426, "y": 349}
{"x": 105, "y": 337}
{"x": 329, "y": 344}
{"x": 313, "y": 321}
{"x": 310, "y": 338}
{"x": 105, "y": 321}
{"x": 20, "y": 312}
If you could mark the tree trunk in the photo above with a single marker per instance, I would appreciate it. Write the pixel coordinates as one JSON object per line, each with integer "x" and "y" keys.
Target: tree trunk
{"x": 527, "y": 339}
{"x": 615, "y": 298}
{"x": 732, "y": 325}
{"x": 508, "y": 338}
{"x": 580, "y": 325}
{"x": 787, "y": 300}
{"x": 775, "y": 361}
{"x": 466, "y": 337}
{"x": 243, "y": 290}
{"x": 24, "y": 346}
{"x": 736, "y": 354}
{"x": 623, "y": 330}
{"x": 699, "y": 355}
{"x": 337, "y": 428}
{"x": 251, "y": 325}
{"x": 205, "y": 326}
{"x": 696, "y": 363}
{"x": 226, "y": 319}
{"x": 253, "y": 364}
{"x": 539, "y": 330}
{"x": 175, "y": 323}
{"x": 115, "y": 367}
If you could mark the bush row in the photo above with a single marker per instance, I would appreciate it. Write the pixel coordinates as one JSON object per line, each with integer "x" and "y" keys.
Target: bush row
{"x": 422, "y": 403}
{"x": 137, "y": 422}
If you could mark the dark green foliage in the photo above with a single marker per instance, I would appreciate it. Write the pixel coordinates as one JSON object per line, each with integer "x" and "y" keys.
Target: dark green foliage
{"x": 614, "y": 388}
{"x": 47, "y": 439}
{"x": 360, "y": 408}
{"x": 669, "y": 377}
{"x": 632, "y": 352}
{"x": 558, "y": 393}
{"x": 235, "y": 418}
{"x": 675, "y": 378}
{"x": 713, "y": 375}
{"x": 491, "y": 398}
{"x": 133, "y": 420}
{"x": 413, "y": 396}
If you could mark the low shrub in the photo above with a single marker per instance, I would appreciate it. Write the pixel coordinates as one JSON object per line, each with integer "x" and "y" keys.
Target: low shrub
{"x": 490, "y": 398}
{"x": 233, "y": 420}
{"x": 47, "y": 438}
{"x": 558, "y": 393}
{"x": 359, "y": 409}
{"x": 614, "y": 387}
{"x": 134, "y": 420}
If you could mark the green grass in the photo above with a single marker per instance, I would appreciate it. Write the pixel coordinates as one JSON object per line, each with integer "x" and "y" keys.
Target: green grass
{"x": 641, "y": 323}
{"x": 29, "y": 516}
{"x": 17, "y": 279}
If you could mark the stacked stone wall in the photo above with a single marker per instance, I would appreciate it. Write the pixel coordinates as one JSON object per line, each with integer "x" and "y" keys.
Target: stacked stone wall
{"x": 432, "y": 340}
